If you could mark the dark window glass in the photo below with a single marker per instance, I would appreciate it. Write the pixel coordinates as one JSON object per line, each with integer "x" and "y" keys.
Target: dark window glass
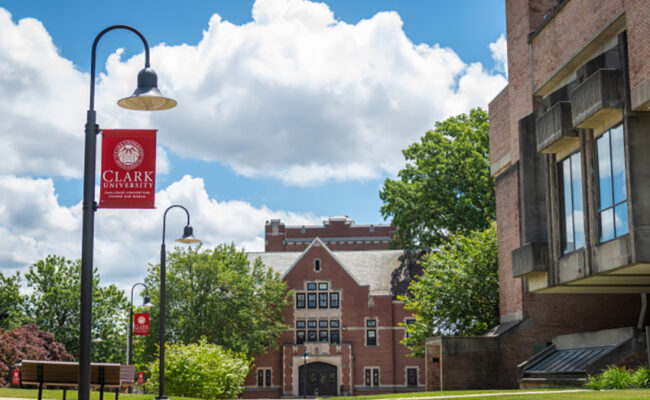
{"x": 322, "y": 324}
{"x": 311, "y": 324}
{"x": 334, "y": 300}
{"x": 371, "y": 337}
{"x": 300, "y": 323}
{"x": 334, "y": 336}
{"x": 311, "y": 336}
{"x": 612, "y": 192}
{"x": 322, "y": 300}
{"x": 311, "y": 300}
{"x": 409, "y": 321}
{"x": 368, "y": 377}
{"x": 268, "y": 377}
{"x": 300, "y": 300}
{"x": 334, "y": 323}
{"x": 371, "y": 323}
{"x": 572, "y": 220}
{"x": 300, "y": 337}
{"x": 311, "y": 286}
{"x": 375, "y": 377}
{"x": 323, "y": 336}
{"x": 316, "y": 265}
{"x": 260, "y": 377}
{"x": 412, "y": 376}
{"x": 322, "y": 286}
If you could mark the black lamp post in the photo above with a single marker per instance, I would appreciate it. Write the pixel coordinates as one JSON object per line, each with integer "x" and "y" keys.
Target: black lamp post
{"x": 188, "y": 237}
{"x": 145, "y": 97}
{"x": 146, "y": 304}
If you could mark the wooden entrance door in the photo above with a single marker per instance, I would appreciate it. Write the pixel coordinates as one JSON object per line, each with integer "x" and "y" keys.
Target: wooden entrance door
{"x": 321, "y": 379}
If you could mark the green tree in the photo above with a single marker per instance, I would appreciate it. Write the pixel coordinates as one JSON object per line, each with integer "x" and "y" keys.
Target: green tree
{"x": 202, "y": 370}
{"x": 12, "y": 303}
{"x": 458, "y": 291}
{"x": 217, "y": 294}
{"x": 445, "y": 186}
{"x": 54, "y": 307}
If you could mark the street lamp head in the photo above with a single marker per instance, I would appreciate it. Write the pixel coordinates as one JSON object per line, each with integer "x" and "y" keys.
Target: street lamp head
{"x": 147, "y": 97}
{"x": 147, "y": 303}
{"x": 97, "y": 338}
{"x": 188, "y": 236}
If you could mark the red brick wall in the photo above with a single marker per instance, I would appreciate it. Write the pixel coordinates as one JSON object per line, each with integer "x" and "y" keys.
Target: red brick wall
{"x": 331, "y": 229}
{"x": 638, "y": 40}
{"x": 577, "y": 23}
{"x": 356, "y": 306}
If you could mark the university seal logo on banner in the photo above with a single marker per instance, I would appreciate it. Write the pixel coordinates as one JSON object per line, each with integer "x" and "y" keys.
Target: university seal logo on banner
{"x": 128, "y": 154}
{"x": 128, "y": 177}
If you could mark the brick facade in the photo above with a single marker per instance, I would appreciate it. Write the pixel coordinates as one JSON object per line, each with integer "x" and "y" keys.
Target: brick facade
{"x": 339, "y": 233}
{"x": 549, "y": 44}
{"x": 365, "y": 282}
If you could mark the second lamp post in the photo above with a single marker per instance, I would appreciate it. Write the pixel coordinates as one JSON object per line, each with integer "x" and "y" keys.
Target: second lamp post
{"x": 188, "y": 237}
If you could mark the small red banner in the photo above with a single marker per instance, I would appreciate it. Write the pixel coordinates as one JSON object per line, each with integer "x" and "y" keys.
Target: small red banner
{"x": 15, "y": 377}
{"x": 141, "y": 324}
{"x": 140, "y": 378}
{"x": 128, "y": 168}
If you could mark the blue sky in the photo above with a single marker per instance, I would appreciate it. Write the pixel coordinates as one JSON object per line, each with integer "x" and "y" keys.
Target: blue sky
{"x": 287, "y": 109}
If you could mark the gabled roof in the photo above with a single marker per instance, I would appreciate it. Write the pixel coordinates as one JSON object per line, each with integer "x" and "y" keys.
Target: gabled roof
{"x": 373, "y": 268}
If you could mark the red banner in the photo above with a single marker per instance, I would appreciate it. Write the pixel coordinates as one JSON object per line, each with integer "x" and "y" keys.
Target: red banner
{"x": 128, "y": 168}
{"x": 141, "y": 324}
{"x": 140, "y": 378}
{"x": 15, "y": 377}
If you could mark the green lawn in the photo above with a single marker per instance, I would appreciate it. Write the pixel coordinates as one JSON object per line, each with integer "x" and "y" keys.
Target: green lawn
{"x": 72, "y": 395}
{"x": 518, "y": 394}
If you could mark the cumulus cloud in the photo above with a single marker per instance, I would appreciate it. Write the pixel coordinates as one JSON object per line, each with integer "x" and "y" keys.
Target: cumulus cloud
{"x": 33, "y": 224}
{"x": 499, "y": 50}
{"x": 295, "y": 94}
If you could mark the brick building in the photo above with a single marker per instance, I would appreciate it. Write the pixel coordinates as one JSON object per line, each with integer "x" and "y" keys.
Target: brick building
{"x": 569, "y": 146}
{"x": 345, "y": 317}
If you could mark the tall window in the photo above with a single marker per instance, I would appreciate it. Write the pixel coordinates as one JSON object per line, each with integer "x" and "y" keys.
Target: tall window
{"x": 573, "y": 220}
{"x": 612, "y": 192}
{"x": 311, "y": 300}
{"x": 322, "y": 300}
{"x": 334, "y": 300}
{"x": 412, "y": 376}
{"x": 371, "y": 332}
{"x": 300, "y": 300}
{"x": 374, "y": 373}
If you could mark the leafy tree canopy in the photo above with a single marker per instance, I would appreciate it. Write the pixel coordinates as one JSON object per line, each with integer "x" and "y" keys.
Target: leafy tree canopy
{"x": 202, "y": 370}
{"x": 54, "y": 306}
{"x": 458, "y": 292}
{"x": 445, "y": 186}
{"x": 217, "y": 294}
{"x": 12, "y": 303}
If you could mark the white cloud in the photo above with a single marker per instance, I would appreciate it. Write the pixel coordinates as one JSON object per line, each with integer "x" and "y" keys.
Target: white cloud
{"x": 295, "y": 94}
{"x": 499, "y": 51}
{"x": 33, "y": 224}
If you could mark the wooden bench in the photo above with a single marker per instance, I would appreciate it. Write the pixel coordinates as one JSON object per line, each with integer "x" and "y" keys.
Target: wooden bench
{"x": 66, "y": 374}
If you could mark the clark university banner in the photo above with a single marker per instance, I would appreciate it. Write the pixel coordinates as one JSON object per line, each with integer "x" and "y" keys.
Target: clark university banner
{"x": 128, "y": 168}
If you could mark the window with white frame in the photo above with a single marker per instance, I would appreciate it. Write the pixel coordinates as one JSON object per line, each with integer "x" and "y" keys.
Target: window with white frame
{"x": 371, "y": 332}
{"x": 612, "y": 189}
{"x": 263, "y": 377}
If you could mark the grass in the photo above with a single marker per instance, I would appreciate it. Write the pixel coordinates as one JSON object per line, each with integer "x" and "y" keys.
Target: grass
{"x": 72, "y": 395}
{"x": 548, "y": 394}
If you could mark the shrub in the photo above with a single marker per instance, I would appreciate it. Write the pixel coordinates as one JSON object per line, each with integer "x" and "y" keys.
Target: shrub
{"x": 201, "y": 370}
{"x": 612, "y": 378}
{"x": 27, "y": 343}
{"x": 641, "y": 377}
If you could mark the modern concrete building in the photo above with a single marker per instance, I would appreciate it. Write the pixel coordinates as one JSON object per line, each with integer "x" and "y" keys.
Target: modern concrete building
{"x": 345, "y": 321}
{"x": 569, "y": 149}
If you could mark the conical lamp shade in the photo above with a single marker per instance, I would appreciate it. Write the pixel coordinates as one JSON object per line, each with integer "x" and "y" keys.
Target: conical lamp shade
{"x": 188, "y": 236}
{"x": 147, "y": 96}
{"x": 147, "y": 303}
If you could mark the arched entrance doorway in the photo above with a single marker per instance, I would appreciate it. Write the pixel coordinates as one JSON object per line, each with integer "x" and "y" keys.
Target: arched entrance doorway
{"x": 321, "y": 379}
